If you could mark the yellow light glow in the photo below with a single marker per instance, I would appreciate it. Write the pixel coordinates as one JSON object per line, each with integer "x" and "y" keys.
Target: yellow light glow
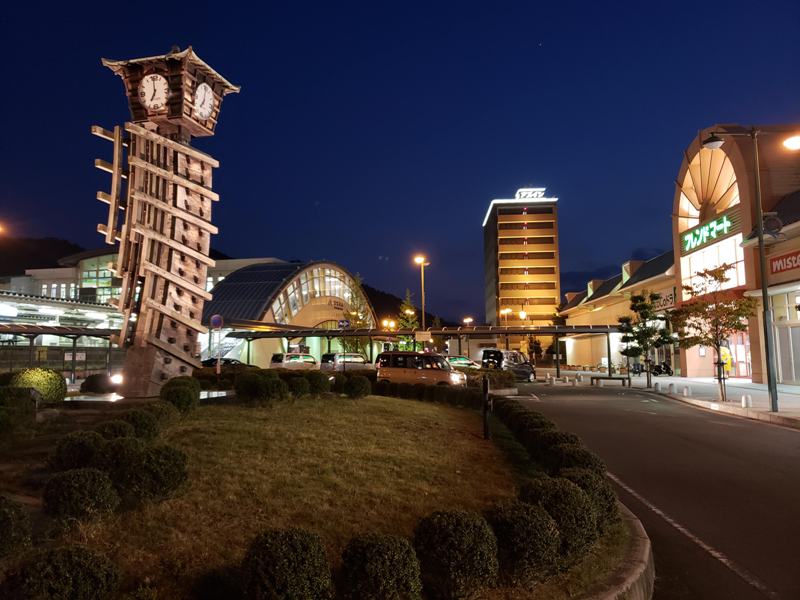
{"x": 792, "y": 143}
{"x": 522, "y": 314}
{"x": 408, "y": 311}
{"x": 385, "y": 322}
{"x": 392, "y": 324}
{"x": 468, "y": 320}
{"x": 419, "y": 259}
{"x": 505, "y": 311}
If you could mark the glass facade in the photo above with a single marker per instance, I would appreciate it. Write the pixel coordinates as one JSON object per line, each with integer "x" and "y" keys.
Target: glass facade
{"x": 313, "y": 283}
{"x": 95, "y": 274}
{"x": 728, "y": 251}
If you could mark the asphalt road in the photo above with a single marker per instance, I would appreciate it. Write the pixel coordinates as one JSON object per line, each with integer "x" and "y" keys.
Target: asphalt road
{"x": 718, "y": 495}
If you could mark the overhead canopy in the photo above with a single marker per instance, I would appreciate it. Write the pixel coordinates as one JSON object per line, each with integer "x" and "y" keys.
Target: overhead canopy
{"x": 58, "y": 330}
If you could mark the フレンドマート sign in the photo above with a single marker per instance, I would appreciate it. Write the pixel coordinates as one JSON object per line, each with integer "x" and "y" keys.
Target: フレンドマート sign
{"x": 784, "y": 262}
{"x": 725, "y": 225}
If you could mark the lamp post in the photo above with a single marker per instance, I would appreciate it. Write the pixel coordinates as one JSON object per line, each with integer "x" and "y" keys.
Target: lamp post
{"x": 422, "y": 262}
{"x": 468, "y": 321}
{"x": 713, "y": 142}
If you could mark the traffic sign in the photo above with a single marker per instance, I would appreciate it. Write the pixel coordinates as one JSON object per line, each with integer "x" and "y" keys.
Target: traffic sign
{"x": 216, "y": 321}
{"x": 344, "y": 323}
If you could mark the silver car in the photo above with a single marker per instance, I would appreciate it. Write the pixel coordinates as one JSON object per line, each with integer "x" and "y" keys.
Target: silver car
{"x": 345, "y": 361}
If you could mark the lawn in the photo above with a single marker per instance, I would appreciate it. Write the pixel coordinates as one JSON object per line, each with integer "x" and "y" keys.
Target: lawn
{"x": 335, "y": 466}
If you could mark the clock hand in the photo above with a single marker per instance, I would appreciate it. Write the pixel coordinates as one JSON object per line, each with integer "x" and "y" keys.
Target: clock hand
{"x": 154, "y": 93}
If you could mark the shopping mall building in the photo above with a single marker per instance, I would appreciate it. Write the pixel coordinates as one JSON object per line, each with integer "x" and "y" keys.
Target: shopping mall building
{"x": 713, "y": 221}
{"x": 254, "y": 293}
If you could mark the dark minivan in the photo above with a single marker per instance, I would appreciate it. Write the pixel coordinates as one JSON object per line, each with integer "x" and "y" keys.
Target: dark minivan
{"x": 509, "y": 360}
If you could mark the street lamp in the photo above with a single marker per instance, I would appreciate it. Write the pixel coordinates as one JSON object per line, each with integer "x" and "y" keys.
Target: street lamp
{"x": 422, "y": 262}
{"x": 522, "y": 315}
{"x": 504, "y": 313}
{"x": 714, "y": 142}
{"x": 468, "y": 321}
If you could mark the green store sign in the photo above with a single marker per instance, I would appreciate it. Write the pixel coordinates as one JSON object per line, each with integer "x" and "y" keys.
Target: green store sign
{"x": 708, "y": 233}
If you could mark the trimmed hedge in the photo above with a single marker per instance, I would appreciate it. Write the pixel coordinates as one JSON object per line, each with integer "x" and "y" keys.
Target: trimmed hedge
{"x": 77, "y": 450}
{"x": 98, "y": 383}
{"x": 498, "y": 378}
{"x": 286, "y": 564}
{"x": 144, "y": 423}
{"x": 357, "y": 386}
{"x": 318, "y": 382}
{"x": 528, "y": 542}
{"x": 79, "y": 494}
{"x": 15, "y": 527}
{"x": 339, "y": 381}
{"x": 49, "y": 383}
{"x": 600, "y": 493}
{"x": 540, "y": 442}
{"x": 182, "y": 395}
{"x": 570, "y": 508}
{"x": 140, "y": 473}
{"x": 68, "y": 573}
{"x": 298, "y": 386}
{"x": 566, "y": 456}
{"x": 251, "y": 386}
{"x": 380, "y": 567}
{"x": 457, "y": 552}
{"x": 116, "y": 428}
{"x": 164, "y": 412}
{"x": 17, "y": 408}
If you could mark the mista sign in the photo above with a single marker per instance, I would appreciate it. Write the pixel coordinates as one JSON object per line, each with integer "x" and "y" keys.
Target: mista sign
{"x": 706, "y": 233}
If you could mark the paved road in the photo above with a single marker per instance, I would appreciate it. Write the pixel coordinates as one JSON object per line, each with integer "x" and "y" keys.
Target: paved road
{"x": 718, "y": 495}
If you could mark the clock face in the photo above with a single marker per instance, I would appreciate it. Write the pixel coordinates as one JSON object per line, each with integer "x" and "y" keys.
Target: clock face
{"x": 153, "y": 92}
{"x": 203, "y": 101}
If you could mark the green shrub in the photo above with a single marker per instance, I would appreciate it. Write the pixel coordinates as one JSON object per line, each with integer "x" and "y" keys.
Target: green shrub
{"x": 116, "y": 428}
{"x": 457, "y": 552}
{"x": 192, "y": 382}
{"x": 277, "y": 389}
{"x": 17, "y": 408}
{"x": 528, "y": 542}
{"x": 393, "y": 389}
{"x": 318, "y": 382}
{"x": 49, "y": 383}
{"x": 600, "y": 492}
{"x": 140, "y": 473}
{"x": 380, "y": 567}
{"x": 566, "y": 456}
{"x": 498, "y": 378}
{"x": 79, "y": 494}
{"x": 98, "y": 383}
{"x": 268, "y": 373}
{"x": 286, "y": 564}
{"x": 164, "y": 412}
{"x": 181, "y": 395}
{"x": 442, "y": 393}
{"x": 539, "y": 441}
{"x": 339, "y": 382}
{"x": 77, "y": 450}
{"x": 69, "y": 573}
{"x": 251, "y": 386}
{"x": 570, "y": 508}
{"x": 406, "y": 390}
{"x": 144, "y": 423}
{"x": 357, "y": 386}
{"x": 298, "y": 386}
{"x": 5, "y": 378}
{"x": 15, "y": 527}
{"x": 380, "y": 388}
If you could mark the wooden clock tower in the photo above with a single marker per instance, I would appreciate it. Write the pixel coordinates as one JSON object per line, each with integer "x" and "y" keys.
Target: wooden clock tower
{"x": 160, "y": 212}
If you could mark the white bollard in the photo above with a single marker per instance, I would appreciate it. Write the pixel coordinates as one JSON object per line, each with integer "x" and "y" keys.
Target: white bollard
{"x": 600, "y": 383}
{"x": 687, "y": 391}
{"x": 656, "y": 387}
{"x": 672, "y": 388}
{"x": 747, "y": 401}
{"x": 574, "y": 382}
{"x": 566, "y": 379}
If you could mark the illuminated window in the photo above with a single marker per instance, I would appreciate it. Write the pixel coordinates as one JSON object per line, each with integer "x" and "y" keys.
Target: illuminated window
{"x": 63, "y": 290}
{"x": 73, "y": 291}
{"x": 710, "y": 257}
{"x": 54, "y": 290}
{"x": 44, "y": 289}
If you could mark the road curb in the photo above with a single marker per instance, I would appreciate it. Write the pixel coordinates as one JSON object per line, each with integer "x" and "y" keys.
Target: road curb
{"x": 728, "y": 408}
{"x": 635, "y": 579}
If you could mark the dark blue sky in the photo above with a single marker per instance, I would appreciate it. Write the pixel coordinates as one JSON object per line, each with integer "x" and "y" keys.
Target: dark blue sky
{"x": 374, "y": 130}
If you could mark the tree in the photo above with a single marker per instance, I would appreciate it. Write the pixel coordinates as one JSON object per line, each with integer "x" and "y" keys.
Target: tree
{"x": 711, "y": 315}
{"x": 438, "y": 341}
{"x": 644, "y": 331}
{"x": 360, "y": 316}
{"x": 407, "y": 319}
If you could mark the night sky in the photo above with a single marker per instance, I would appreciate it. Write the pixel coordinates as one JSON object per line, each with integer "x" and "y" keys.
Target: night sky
{"x": 367, "y": 132}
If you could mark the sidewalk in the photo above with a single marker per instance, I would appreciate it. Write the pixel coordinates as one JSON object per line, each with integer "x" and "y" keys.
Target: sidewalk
{"x": 704, "y": 392}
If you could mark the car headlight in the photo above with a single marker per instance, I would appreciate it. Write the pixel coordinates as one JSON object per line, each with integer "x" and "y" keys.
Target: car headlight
{"x": 457, "y": 378}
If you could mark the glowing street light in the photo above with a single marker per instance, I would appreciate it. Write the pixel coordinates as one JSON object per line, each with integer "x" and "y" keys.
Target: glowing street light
{"x": 504, "y": 313}
{"x": 468, "y": 321}
{"x": 422, "y": 261}
{"x": 410, "y": 312}
{"x": 522, "y": 315}
{"x": 792, "y": 143}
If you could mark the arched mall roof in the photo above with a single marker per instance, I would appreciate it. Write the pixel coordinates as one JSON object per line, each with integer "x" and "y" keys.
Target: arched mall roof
{"x": 248, "y": 293}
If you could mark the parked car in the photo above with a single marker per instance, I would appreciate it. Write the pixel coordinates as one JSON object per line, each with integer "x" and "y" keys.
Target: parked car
{"x": 508, "y": 360}
{"x": 416, "y": 367}
{"x": 225, "y": 362}
{"x": 344, "y": 361}
{"x": 293, "y": 360}
{"x": 462, "y": 361}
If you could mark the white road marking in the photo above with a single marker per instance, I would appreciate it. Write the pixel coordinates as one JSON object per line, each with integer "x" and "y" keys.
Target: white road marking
{"x": 748, "y": 577}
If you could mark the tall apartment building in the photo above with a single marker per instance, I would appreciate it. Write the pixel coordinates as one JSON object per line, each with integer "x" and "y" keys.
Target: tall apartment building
{"x": 521, "y": 272}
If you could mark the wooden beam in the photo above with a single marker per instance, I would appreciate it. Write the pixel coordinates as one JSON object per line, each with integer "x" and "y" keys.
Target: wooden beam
{"x": 105, "y": 134}
{"x": 113, "y": 235}
{"x": 176, "y": 212}
{"x": 106, "y": 166}
{"x": 177, "y": 280}
{"x": 176, "y": 352}
{"x": 135, "y": 161}
{"x": 174, "y": 244}
{"x": 173, "y": 145}
{"x": 175, "y": 315}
